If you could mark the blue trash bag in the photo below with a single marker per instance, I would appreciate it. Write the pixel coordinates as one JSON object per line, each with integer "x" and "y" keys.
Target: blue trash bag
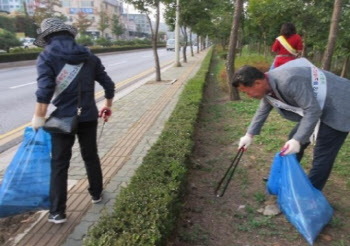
{"x": 304, "y": 205}
{"x": 273, "y": 183}
{"x": 26, "y": 182}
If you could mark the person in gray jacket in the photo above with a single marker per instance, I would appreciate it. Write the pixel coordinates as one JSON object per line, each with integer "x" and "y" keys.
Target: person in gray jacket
{"x": 318, "y": 100}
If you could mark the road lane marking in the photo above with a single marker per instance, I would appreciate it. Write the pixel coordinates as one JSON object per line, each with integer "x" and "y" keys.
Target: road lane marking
{"x": 22, "y": 85}
{"x": 117, "y": 63}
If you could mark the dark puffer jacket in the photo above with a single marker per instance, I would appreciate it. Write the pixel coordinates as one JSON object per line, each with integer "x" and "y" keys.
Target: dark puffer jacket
{"x": 61, "y": 50}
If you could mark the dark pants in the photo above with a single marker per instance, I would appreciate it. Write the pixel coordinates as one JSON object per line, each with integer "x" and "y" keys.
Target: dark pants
{"x": 61, "y": 154}
{"x": 328, "y": 144}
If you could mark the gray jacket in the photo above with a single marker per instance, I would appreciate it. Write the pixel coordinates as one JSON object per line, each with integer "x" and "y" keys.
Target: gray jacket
{"x": 293, "y": 87}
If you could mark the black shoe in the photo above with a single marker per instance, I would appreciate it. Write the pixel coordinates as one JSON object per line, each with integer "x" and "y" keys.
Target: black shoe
{"x": 96, "y": 199}
{"x": 265, "y": 179}
{"x": 57, "y": 218}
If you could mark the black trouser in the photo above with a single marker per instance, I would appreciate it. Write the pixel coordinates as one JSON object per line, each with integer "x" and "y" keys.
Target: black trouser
{"x": 328, "y": 144}
{"x": 61, "y": 154}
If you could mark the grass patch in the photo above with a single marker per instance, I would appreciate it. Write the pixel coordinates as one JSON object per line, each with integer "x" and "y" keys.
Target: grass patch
{"x": 234, "y": 219}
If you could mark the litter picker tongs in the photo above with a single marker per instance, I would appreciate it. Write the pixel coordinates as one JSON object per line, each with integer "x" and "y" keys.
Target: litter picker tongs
{"x": 229, "y": 174}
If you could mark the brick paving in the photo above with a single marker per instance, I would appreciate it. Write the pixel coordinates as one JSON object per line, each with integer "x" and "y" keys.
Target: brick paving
{"x": 137, "y": 121}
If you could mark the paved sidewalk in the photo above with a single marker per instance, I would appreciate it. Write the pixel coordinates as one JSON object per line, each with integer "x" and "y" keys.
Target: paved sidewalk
{"x": 137, "y": 121}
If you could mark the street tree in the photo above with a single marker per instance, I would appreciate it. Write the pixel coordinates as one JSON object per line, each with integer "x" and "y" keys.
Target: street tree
{"x": 47, "y": 9}
{"x": 145, "y": 7}
{"x": 25, "y": 24}
{"x": 7, "y": 23}
{"x": 234, "y": 95}
{"x": 343, "y": 40}
{"x": 333, "y": 32}
{"x": 104, "y": 19}
{"x": 222, "y": 21}
{"x": 7, "y": 40}
{"x": 194, "y": 15}
{"x": 82, "y": 23}
{"x": 117, "y": 27}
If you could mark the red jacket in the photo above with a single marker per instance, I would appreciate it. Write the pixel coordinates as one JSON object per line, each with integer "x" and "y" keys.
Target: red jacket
{"x": 294, "y": 41}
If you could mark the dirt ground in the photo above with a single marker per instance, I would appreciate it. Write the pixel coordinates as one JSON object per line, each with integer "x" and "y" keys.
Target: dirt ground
{"x": 233, "y": 220}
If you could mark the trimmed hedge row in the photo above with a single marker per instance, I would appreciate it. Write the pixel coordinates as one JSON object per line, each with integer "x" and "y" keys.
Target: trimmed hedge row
{"x": 11, "y": 57}
{"x": 145, "y": 211}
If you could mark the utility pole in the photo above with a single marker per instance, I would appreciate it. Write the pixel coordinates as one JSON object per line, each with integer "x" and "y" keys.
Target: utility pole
{"x": 177, "y": 35}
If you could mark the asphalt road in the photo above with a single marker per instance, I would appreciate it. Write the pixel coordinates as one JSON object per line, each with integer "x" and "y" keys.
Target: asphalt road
{"x": 18, "y": 84}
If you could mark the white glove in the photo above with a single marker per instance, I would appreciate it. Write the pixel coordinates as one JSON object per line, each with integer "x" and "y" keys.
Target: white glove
{"x": 245, "y": 141}
{"x": 38, "y": 122}
{"x": 291, "y": 147}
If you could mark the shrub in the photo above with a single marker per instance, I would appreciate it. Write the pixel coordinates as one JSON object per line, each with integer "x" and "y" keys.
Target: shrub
{"x": 8, "y": 40}
{"x": 145, "y": 211}
{"x": 104, "y": 42}
{"x": 85, "y": 40}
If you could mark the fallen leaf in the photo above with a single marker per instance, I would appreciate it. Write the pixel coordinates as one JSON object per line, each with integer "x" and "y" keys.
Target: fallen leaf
{"x": 326, "y": 237}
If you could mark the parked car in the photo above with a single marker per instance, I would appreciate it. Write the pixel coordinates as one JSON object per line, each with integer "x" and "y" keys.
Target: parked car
{"x": 28, "y": 43}
{"x": 170, "y": 44}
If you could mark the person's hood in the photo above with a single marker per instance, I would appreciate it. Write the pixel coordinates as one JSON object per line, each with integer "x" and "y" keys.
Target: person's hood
{"x": 67, "y": 49}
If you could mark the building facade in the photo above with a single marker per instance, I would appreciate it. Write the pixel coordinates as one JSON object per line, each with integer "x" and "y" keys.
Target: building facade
{"x": 143, "y": 28}
{"x": 93, "y": 10}
{"x": 135, "y": 25}
{"x": 16, "y": 5}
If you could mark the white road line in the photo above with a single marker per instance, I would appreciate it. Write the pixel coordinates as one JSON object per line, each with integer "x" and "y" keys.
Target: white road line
{"x": 118, "y": 63}
{"x": 18, "y": 86}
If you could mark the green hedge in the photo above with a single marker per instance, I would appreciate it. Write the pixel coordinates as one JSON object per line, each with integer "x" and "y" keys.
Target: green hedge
{"x": 11, "y": 57}
{"x": 145, "y": 211}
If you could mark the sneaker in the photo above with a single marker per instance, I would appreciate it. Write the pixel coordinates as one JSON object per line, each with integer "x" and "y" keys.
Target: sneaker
{"x": 57, "y": 218}
{"x": 96, "y": 199}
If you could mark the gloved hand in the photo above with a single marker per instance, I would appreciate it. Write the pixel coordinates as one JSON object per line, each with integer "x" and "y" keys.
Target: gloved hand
{"x": 37, "y": 122}
{"x": 105, "y": 113}
{"x": 245, "y": 141}
{"x": 291, "y": 147}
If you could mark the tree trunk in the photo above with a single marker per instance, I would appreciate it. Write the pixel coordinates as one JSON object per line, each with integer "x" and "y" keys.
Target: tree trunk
{"x": 197, "y": 44}
{"x": 184, "y": 33}
{"x": 191, "y": 44}
{"x": 345, "y": 65}
{"x": 155, "y": 42}
{"x": 333, "y": 32}
{"x": 234, "y": 95}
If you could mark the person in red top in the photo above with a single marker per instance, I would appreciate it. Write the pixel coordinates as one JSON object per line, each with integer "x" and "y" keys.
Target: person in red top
{"x": 288, "y": 46}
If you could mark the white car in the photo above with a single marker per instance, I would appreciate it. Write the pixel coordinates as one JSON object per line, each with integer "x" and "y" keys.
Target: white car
{"x": 170, "y": 44}
{"x": 28, "y": 43}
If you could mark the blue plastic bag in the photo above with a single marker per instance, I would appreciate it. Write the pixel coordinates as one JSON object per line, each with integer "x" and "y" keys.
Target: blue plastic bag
{"x": 273, "y": 183}
{"x": 26, "y": 182}
{"x": 304, "y": 205}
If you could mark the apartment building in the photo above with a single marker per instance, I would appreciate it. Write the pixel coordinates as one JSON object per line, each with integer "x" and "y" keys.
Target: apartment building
{"x": 71, "y": 8}
{"x": 16, "y": 5}
{"x": 135, "y": 25}
{"x": 143, "y": 28}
